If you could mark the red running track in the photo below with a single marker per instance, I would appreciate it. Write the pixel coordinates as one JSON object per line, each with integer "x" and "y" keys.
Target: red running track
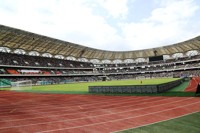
{"x": 29, "y": 112}
{"x": 192, "y": 87}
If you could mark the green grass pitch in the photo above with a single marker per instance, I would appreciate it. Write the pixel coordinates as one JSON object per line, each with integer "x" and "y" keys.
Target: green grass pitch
{"x": 82, "y": 87}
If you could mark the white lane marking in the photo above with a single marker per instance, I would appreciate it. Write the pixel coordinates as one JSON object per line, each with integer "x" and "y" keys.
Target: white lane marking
{"x": 116, "y": 119}
{"x": 95, "y": 115}
{"x": 42, "y": 107}
{"x": 71, "y": 109}
{"x": 12, "y": 110}
{"x": 49, "y": 116}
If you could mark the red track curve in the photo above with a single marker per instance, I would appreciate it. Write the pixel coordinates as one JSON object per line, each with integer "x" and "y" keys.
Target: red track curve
{"x": 192, "y": 87}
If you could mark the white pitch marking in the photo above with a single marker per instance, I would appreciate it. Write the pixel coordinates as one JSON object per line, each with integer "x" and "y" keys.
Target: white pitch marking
{"x": 87, "y": 111}
{"x": 112, "y": 99}
{"x": 116, "y": 119}
{"x": 12, "y": 110}
{"x": 102, "y": 115}
{"x": 83, "y": 105}
{"x": 80, "y": 107}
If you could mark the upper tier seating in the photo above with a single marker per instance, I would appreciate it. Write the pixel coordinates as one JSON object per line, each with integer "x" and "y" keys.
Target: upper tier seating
{"x": 25, "y": 60}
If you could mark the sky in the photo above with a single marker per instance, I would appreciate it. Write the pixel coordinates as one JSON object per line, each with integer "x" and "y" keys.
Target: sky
{"x": 115, "y": 25}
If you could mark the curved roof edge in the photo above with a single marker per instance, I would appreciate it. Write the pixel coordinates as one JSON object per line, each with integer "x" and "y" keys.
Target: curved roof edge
{"x": 19, "y": 39}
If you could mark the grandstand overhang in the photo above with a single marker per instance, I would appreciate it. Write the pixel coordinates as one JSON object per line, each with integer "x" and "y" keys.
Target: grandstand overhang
{"x": 13, "y": 39}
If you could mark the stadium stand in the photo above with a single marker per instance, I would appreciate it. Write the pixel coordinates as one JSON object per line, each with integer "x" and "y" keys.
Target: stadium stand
{"x": 80, "y": 63}
{"x": 12, "y": 71}
{"x": 184, "y": 68}
{"x": 4, "y": 83}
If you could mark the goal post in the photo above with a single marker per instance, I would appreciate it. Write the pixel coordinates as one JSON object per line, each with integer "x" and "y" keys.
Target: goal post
{"x": 21, "y": 85}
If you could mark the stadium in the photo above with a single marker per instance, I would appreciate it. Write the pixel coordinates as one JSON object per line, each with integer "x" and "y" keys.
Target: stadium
{"x": 50, "y": 85}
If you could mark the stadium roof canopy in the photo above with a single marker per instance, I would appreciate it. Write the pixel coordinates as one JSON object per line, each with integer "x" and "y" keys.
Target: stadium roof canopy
{"x": 18, "y": 39}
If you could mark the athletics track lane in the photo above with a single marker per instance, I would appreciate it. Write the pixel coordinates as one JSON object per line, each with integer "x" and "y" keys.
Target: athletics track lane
{"x": 98, "y": 116}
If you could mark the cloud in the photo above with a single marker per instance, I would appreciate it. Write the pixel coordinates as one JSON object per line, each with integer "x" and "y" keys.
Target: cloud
{"x": 77, "y": 21}
{"x": 167, "y": 24}
{"x": 173, "y": 11}
{"x": 115, "y": 8}
{"x": 72, "y": 21}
